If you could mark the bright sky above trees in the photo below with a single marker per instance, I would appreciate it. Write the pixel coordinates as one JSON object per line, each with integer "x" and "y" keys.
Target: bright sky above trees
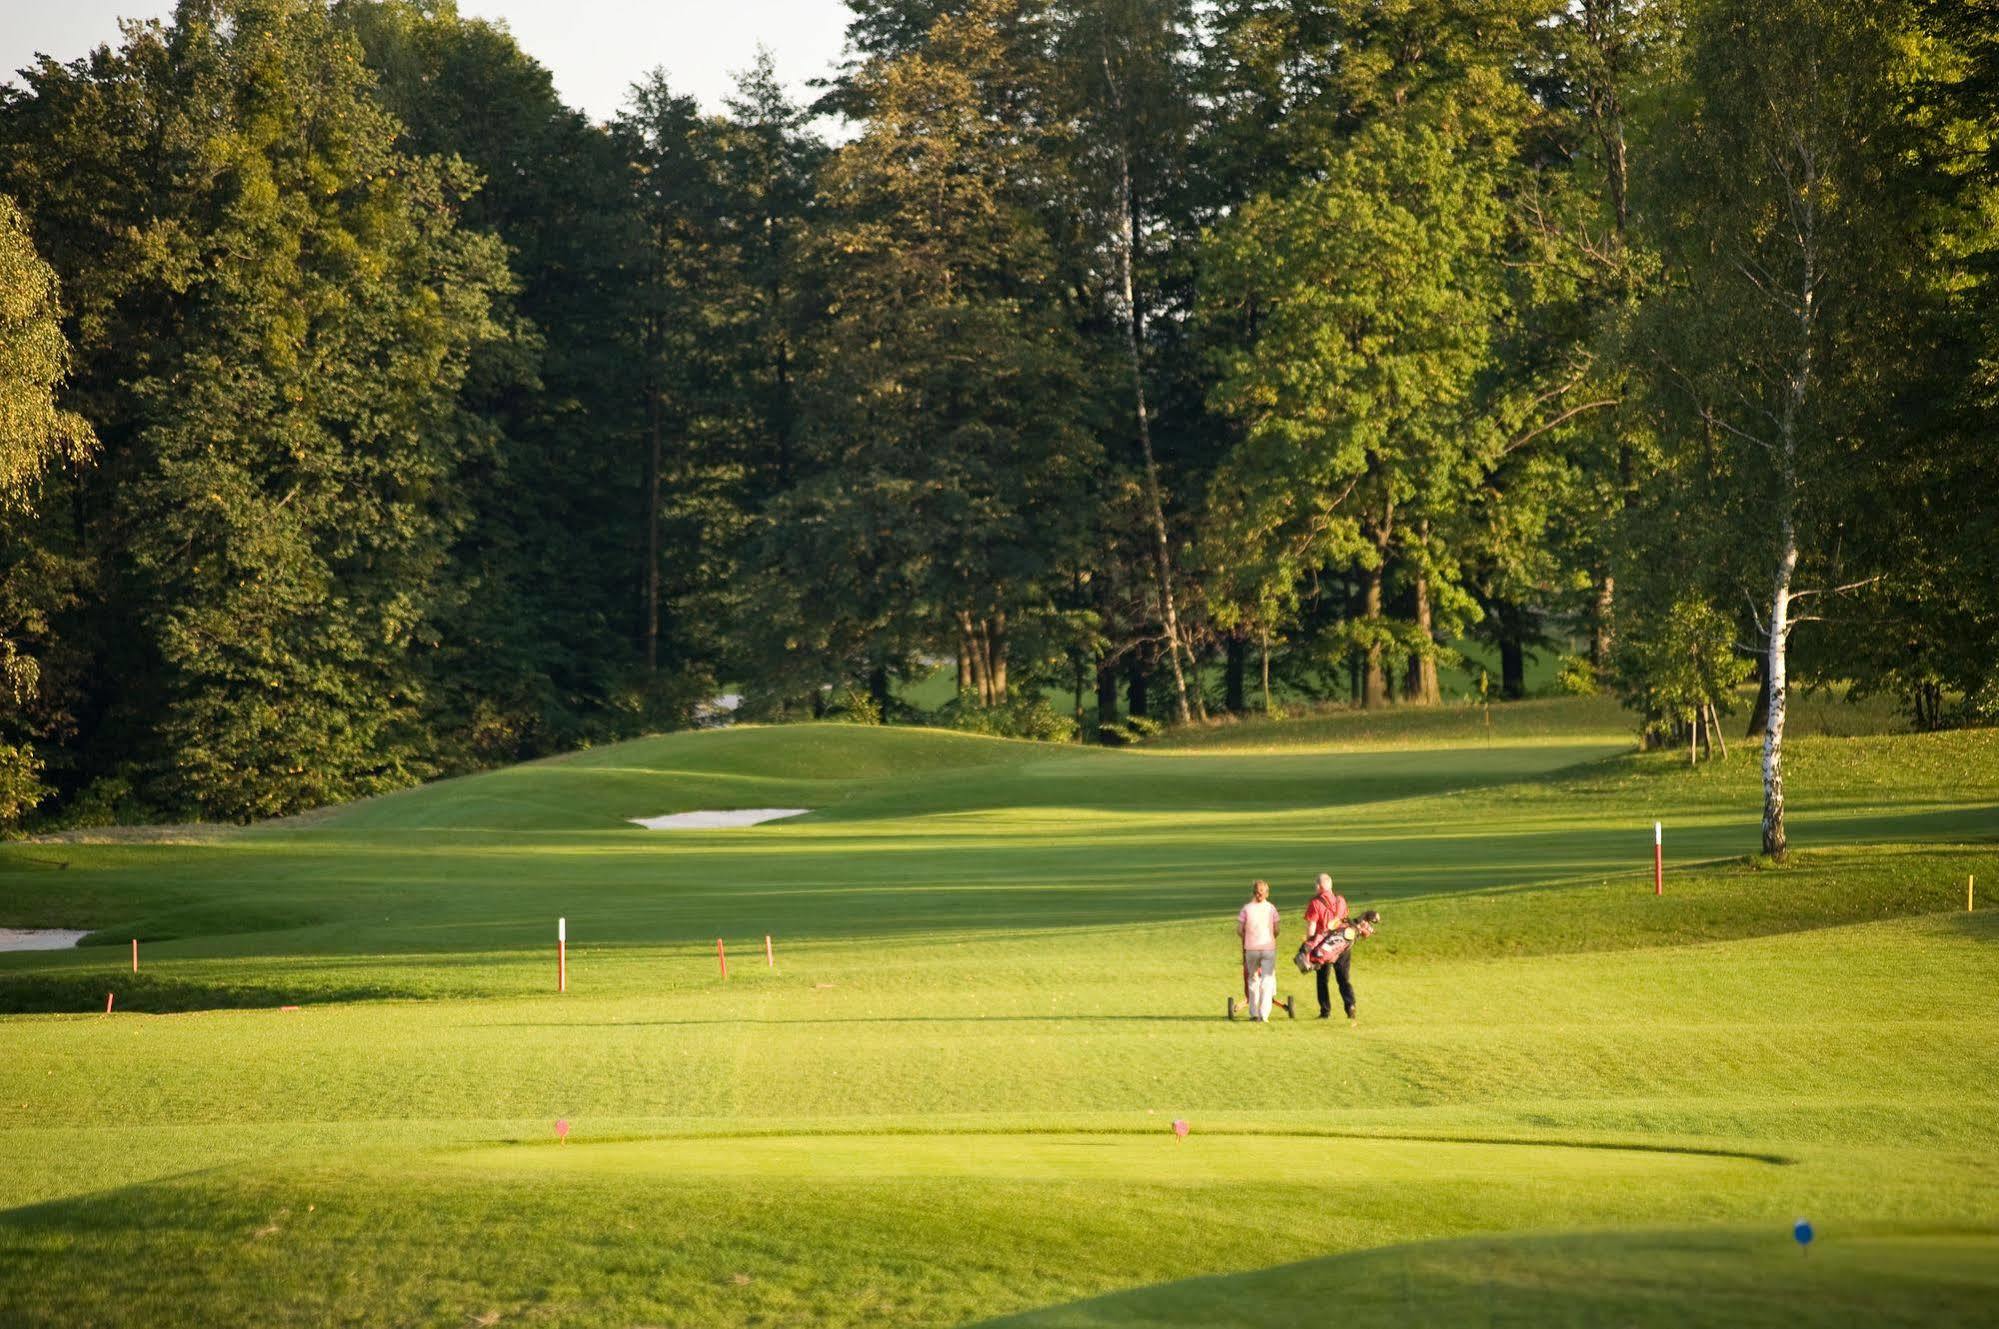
{"x": 595, "y": 48}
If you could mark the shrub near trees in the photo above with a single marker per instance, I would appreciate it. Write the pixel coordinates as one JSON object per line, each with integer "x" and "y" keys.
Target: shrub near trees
{"x": 1122, "y": 346}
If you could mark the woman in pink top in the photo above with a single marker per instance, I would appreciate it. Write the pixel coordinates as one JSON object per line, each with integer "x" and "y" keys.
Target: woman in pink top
{"x": 1257, "y": 926}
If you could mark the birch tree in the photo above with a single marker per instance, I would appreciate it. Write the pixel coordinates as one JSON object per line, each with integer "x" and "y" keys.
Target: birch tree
{"x": 1778, "y": 208}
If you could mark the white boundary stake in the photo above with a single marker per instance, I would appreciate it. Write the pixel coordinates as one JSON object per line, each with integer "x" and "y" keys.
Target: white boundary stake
{"x": 770, "y": 956}
{"x": 562, "y": 955}
{"x": 1658, "y": 858}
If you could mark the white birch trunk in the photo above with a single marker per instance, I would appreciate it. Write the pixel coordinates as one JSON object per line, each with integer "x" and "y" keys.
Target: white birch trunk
{"x": 1797, "y": 387}
{"x": 1773, "y": 735}
{"x": 1134, "y": 342}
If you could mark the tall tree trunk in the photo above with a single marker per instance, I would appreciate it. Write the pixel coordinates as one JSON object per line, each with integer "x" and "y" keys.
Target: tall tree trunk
{"x": 1263, "y": 658}
{"x": 654, "y": 461}
{"x": 1759, "y": 712}
{"x": 1603, "y": 96}
{"x": 1136, "y": 678}
{"x": 1373, "y": 677}
{"x": 1374, "y": 674}
{"x": 1600, "y": 621}
{"x": 1789, "y": 422}
{"x": 996, "y": 655}
{"x": 1423, "y": 687}
{"x": 1605, "y": 100}
{"x": 1134, "y": 343}
{"x": 1106, "y": 696}
{"x": 1774, "y": 842}
{"x": 964, "y": 664}
{"x": 1235, "y": 673}
{"x": 878, "y": 691}
{"x": 1197, "y": 688}
{"x": 975, "y": 652}
{"x": 781, "y": 425}
{"x": 1512, "y": 666}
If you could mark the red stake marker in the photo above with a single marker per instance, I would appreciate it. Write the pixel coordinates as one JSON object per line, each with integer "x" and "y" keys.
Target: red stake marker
{"x": 109, "y": 997}
{"x": 1658, "y": 858}
{"x": 562, "y": 955}
{"x": 722, "y": 957}
{"x": 135, "y": 955}
{"x": 770, "y": 956}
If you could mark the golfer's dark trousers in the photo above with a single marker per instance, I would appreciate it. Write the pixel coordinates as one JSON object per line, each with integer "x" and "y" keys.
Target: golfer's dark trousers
{"x": 1337, "y": 969}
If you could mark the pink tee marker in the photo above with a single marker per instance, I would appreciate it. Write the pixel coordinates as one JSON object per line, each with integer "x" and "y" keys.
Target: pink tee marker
{"x": 1180, "y": 1128}
{"x": 562, "y": 1129}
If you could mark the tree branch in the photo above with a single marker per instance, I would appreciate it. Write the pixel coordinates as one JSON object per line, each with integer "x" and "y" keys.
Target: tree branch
{"x": 1839, "y": 590}
{"x": 1559, "y": 420}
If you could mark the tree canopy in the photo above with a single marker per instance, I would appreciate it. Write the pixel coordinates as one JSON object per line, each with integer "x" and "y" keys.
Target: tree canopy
{"x": 368, "y": 413}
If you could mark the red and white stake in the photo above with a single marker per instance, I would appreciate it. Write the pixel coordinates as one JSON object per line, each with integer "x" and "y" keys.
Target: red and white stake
{"x": 562, "y": 955}
{"x": 109, "y": 997}
{"x": 135, "y": 955}
{"x": 770, "y": 956}
{"x": 1658, "y": 858}
{"x": 721, "y": 957}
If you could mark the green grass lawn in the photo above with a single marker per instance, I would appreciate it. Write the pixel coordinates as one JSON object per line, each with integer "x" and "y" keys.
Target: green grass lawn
{"x": 1002, "y": 969}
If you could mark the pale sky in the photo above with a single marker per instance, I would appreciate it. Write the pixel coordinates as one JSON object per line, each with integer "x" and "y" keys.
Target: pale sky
{"x": 594, "y": 48}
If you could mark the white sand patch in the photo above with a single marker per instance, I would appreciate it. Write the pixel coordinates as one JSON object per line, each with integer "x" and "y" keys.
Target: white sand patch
{"x": 716, "y": 821}
{"x": 718, "y": 711}
{"x": 39, "y": 939}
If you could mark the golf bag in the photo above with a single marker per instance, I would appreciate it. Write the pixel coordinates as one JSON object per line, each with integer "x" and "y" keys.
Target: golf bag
{"x": 1337, "y": 942}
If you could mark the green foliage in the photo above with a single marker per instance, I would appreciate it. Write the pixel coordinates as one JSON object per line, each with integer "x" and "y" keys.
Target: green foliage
{"x": 943, "y": 475}
{"x": 1131, "y": 729}
{"x": 853, "y": 706}
{"x": 1575, "y": 676}
{"x": 35, "y": 433}
{"x": 441, "y": 427}
{"x": 1673, "y": 668}
{"x": 20, "y": 784}
{"x": 1023, "y": 716}
{"x": 536, "y": 650}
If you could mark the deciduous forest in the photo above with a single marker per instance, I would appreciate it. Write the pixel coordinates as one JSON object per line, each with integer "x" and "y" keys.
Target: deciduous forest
{"x": 367, "y": 414}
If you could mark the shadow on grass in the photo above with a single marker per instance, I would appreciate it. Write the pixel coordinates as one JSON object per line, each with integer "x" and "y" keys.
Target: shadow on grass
{"x": 75, "y": 993}
{"x": 1732, "y": 1277}
{"x": 1062, "y": 1018}
{"x": 1109, "y": 1133}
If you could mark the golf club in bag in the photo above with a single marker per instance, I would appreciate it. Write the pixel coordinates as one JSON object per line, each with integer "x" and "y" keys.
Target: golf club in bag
{"x": 1335, "y": 943}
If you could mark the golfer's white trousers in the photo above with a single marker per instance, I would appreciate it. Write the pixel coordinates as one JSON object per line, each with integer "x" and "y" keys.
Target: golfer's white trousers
{"x": 1259, "y": 981}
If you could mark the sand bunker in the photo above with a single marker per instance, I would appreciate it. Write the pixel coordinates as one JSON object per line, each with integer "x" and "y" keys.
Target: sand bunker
{"x": 716, "y": 821}
{"x": 39, "y": 939}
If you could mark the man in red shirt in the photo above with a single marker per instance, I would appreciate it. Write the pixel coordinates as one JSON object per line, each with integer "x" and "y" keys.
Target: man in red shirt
{"x": 1326, "y": 912}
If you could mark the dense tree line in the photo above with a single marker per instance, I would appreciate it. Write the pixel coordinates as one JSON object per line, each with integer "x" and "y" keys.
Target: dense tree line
{"x": 366, "y": 413}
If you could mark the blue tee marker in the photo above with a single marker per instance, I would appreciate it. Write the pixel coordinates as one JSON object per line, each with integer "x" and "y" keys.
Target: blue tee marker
{"x": 1802, "y": 1230}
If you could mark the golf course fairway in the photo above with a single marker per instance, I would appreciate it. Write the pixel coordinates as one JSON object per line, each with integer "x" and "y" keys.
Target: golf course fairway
{"x": 330, "y": 1094}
